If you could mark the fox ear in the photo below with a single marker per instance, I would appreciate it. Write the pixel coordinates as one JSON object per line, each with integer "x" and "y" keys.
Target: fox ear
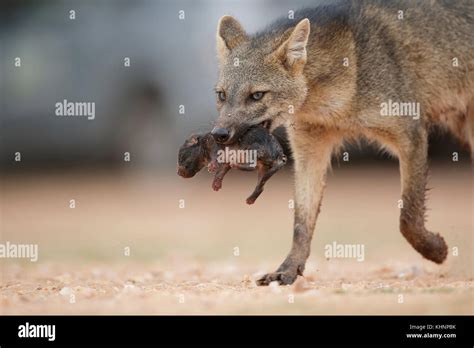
{"x": 230, "y": 34}
{"x": 293, "y": 51}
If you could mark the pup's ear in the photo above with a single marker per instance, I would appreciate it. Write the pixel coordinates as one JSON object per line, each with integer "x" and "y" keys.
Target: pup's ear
{"x": 292, "y": 52}
{"x": 230, "y": 34}
{"x": 193, "y": 140}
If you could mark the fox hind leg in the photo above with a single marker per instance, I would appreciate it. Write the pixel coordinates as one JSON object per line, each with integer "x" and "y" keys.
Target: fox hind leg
{"x": 414, "y": 173}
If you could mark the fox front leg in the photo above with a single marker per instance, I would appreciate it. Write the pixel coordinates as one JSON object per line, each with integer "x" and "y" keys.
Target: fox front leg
{"x": 312, "y": 153}
{"x": 412, "y": 153}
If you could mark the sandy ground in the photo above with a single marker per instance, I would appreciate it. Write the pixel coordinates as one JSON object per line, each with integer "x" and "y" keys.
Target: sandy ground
{"x": 184, "y": 260}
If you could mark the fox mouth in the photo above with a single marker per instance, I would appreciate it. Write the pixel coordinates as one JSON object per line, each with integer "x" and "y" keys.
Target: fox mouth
{"x": 266, "y": 124}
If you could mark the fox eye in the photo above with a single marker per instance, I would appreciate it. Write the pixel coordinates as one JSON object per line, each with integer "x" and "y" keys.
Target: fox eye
{"x": 257, "y": 95}
{"x": 221, "y": 96}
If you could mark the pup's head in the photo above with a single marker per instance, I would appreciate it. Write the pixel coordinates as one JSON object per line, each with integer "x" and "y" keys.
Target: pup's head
{"x": 261, "y": 78}
{"x": 192, "y": 156}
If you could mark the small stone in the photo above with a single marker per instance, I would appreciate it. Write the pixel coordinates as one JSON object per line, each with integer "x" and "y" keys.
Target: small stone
{"x": 246, "y": 279}
{"x": 65, "y": 291}
{"x": 345, "y": 286}
{"x": 275, "y": 287}
{"x": 130, "y": 289}
{"x": 85, "y": 291}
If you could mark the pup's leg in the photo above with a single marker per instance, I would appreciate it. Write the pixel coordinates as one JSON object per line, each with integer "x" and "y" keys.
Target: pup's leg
{"x": 212, "y": 166}
{"x": 264, "y": 173}
{"x": 219, "y": 176}
{"x": 312, "y": 150}
{"x": 412, "y": 153}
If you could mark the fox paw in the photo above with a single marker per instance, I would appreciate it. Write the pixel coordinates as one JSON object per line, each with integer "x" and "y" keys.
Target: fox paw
{"x": 283, "y": 278}
{"x": 434, "y": 248}
{"x": 286, "y": 274}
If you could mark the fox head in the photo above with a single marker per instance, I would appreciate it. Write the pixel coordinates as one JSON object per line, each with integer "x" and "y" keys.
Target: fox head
{"x": 261, "y": 78}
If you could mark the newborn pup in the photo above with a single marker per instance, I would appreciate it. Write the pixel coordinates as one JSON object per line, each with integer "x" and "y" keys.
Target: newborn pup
{"x": 256, "y": 149}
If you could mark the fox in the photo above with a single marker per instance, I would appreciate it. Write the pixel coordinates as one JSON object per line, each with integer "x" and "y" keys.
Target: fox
{"x": 326, "y": 73}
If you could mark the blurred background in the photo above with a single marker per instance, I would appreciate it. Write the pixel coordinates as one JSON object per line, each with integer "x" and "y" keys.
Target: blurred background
{"x": 172, "y": 63}
{"x": 138, "y": 203}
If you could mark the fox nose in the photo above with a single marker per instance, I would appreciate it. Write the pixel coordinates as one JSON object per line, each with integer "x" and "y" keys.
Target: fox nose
{"x": 221, "y": 135}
